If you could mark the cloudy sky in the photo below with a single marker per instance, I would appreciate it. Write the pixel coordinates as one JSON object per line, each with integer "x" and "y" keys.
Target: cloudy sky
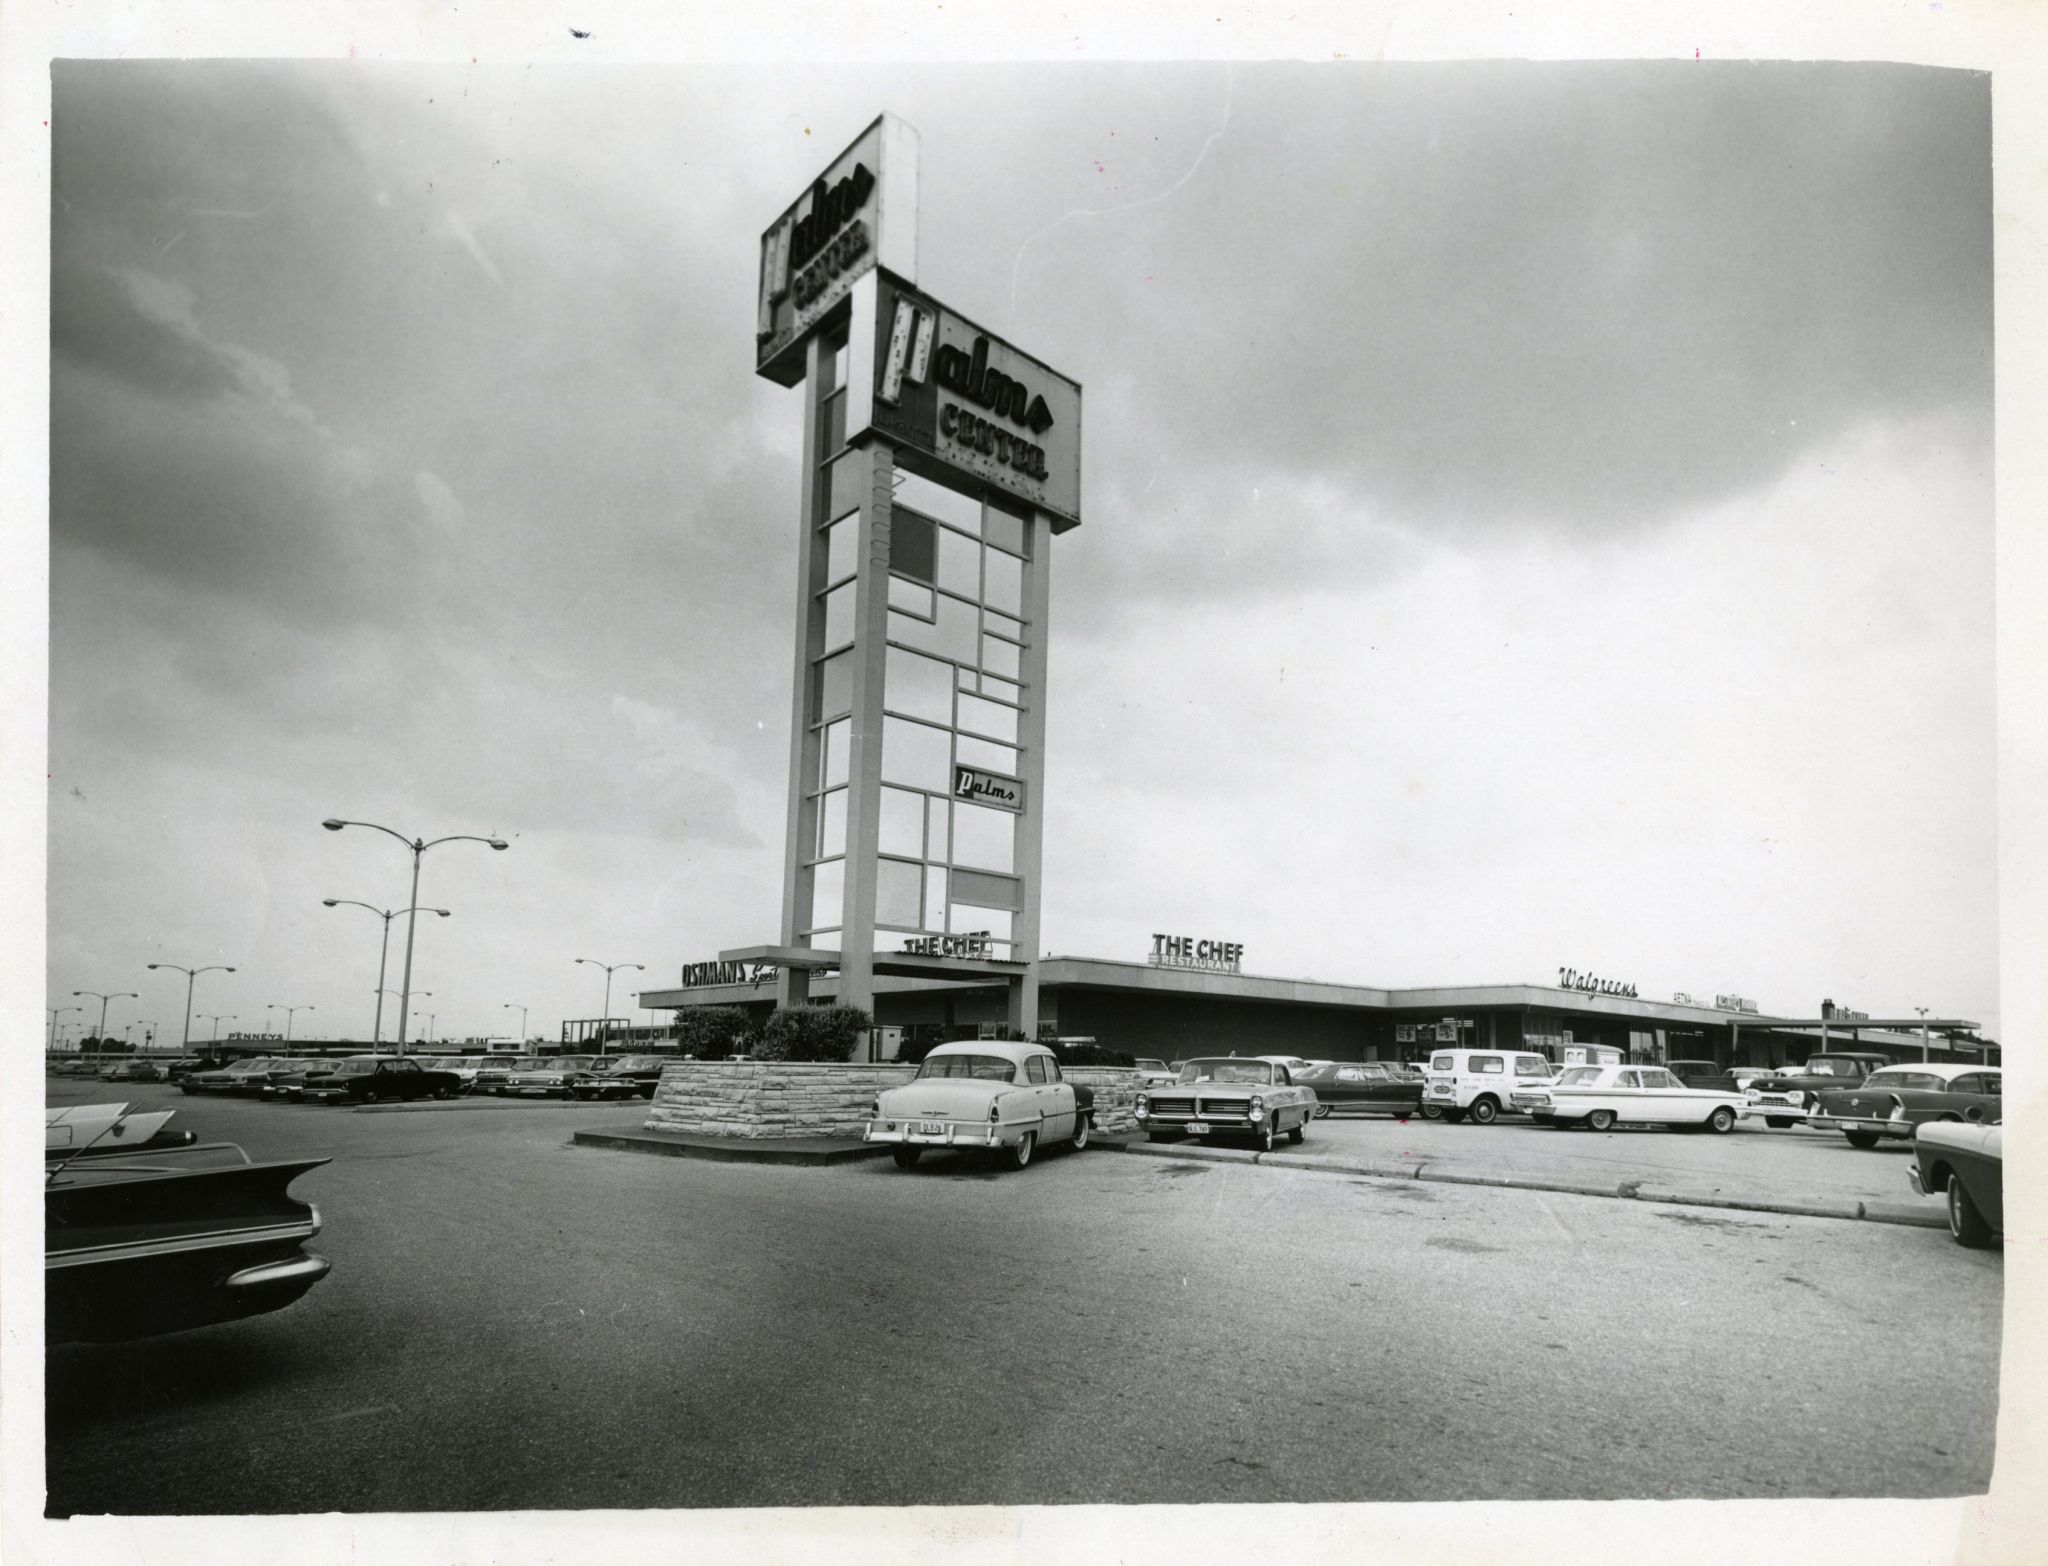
{"x": 1535, "y": 514}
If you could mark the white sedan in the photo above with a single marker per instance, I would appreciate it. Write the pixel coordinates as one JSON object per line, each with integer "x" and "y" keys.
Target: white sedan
{"x": 985, "y": 1095}
{"x": 1602, "y": 1097}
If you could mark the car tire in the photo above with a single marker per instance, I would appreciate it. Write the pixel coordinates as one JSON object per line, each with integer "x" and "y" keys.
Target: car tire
{"x": 1861, "y": 1138}
{"x": 1601, "y": 1120}
{"x": 1020, "y": 1155}
{"x": 1299, "y": 1133}
{"x": 1268, "y": 1136}
{"x": 1081, "y": 1129}
{"x": 1721, "y": 1121}
{"x": 1777, "y": 1122}
{"x": 906, "y": 1157}
{"x": 444, "y": 1093}
{"x": 1432, "y": 1111}
{"x": 1484, "y": 1111}
{"x": 1322, "y": 1111}
{"x": 1965, "y": 1222}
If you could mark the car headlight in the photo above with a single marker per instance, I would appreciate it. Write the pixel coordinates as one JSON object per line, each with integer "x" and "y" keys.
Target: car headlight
{"x": 1144, "y": 1102}
{"x": 1257, "y": 1110}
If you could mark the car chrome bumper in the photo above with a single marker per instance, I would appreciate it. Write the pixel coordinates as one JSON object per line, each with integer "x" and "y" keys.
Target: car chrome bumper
{"x": 957, "y": 1133}
{"x": 1913, "y": 1179}
{"x": 1894, "y": 1128}
{"x": 1775, "y": 1111}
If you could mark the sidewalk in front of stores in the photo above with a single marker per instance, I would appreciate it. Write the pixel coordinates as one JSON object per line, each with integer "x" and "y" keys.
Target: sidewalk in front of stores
{"x": 1796, "y": 1173}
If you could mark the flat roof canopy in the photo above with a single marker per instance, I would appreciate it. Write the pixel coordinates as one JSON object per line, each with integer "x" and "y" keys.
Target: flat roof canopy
{"x": 902, "y": 965}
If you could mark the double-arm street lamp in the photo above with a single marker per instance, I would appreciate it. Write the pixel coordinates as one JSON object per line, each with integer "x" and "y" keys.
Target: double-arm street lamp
{"x": 605, "y": 1025}
{"x": 56, "y": 1012}
{"x": 383, "y": 951}
{"x": 190, "y": 975}
{"x": 217, "y": 1018}
{"x": 287, "y": 1010}
{"x": 417, "y": 848}
{"x": 430, "y": 1016}
{"x": 103, "y": 999}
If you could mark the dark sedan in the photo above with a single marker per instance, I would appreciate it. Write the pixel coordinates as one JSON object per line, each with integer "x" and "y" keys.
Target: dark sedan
{"x": 1965, "y": 1164}
{"x": 1891, "y": 1102}
{"x": 369, "y": 1081}
{"x": 1361, "y": 1087}
{"x": 629, "y": 1076}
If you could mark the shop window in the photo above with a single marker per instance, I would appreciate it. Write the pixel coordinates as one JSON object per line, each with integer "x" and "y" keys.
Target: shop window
{"x": 828, "y": 893}
{"x": 841, "y": 539}
{"x": 839, "y": 616}
{"x": 1005, "y": 590}
{"x": 901, "y": 827}
{"x": 898, "y": 888}
{"x": 835, "y": 685}
{"x": 935, "y": 500}
{"x": 988, "y": 718}
{"x": 832, "y": 824}
{"x": 916, "y": 755}
{"x": 918, "y": 686}
{"x": 913, "y": 546}
{"x": 984, "y": 838}
{"x": 833, "y": 753}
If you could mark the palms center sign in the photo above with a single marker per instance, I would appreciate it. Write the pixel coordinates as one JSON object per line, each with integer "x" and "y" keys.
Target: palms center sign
{"x": 939, "y": 463}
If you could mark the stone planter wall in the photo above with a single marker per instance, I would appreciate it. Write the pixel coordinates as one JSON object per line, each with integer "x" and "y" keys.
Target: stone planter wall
{"x": 773, "y": 1098}
{"x": 768, "y": 1098}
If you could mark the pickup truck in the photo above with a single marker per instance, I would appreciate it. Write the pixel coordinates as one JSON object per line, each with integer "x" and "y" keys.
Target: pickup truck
{"x": 1785, "y": 1098}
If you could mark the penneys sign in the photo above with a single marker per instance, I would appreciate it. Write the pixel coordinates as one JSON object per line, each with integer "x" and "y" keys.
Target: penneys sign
{"x": 859, "y": 214}
{"x": 931, "y": 382}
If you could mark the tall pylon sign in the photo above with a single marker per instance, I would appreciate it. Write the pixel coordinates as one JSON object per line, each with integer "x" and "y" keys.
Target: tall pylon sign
{"x": 939, "y": 462}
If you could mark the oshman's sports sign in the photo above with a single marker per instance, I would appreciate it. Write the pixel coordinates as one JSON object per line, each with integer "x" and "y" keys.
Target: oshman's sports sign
{"x": 859, "y": 214}
{"x": 926, "y": 378}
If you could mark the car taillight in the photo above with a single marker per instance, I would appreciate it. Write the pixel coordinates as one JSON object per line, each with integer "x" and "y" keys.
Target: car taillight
{"x": 995, "y": 1112}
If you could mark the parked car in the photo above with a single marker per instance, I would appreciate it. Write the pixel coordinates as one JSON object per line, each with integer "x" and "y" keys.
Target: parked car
{"x": 1743, "y": 1076}
{"x": 1784, "y": 1098}
{"x": 134, "y": 1071}
{"x": 244, "y": 1076}
{"x": 382, "y": 1077}
{"x": 1229, "y": 1096}
{"x": 287, "y": 1083}
{"x": 629, "y": 1076}
{"x": 1965, "y": 1164}
{"x": 1703, "y": 1074}
{"x": 1360, "y": 1087}
{"x": 1480, "y": 1082}
{"x": 1602, "y": 1097}
{"x": 67, "y": 1129}
{"x": 185, "y": 1065}
{"x": 141, "y": 1243}
{"x": 1891, "y": 1102}
{"x": 983, "y": 1094}
{"x": 497, "y": 1070}
{"x": 549, "y": 1078}
{"x": 1153, "y": 1071}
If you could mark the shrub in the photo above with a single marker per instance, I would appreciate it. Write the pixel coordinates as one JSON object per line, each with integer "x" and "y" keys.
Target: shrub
{"x": 712, "y": 1032}
{"x": 811, "y": 1033}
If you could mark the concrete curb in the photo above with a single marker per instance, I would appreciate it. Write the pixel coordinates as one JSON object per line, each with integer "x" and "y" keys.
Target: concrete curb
{"x": 732, "y": 1150}
{"x": 445, "y": 1106}
{"x": 1627, "y": 1190}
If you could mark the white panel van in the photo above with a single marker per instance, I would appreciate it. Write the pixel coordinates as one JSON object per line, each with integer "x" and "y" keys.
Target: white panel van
{"x": 1479, "y": 1082}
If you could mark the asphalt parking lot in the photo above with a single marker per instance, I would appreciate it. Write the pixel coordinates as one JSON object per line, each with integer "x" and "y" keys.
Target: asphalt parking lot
{"x": 513, "y": 1322}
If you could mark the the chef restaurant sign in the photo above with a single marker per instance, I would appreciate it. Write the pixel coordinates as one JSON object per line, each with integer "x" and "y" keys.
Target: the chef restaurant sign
{"x": 860, "y": 213}
{"x": 923, "y": 377}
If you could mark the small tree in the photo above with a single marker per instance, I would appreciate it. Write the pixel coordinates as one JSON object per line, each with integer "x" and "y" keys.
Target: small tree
{"x": 712, "y": 1032}
{"x": 811, "y": 1033}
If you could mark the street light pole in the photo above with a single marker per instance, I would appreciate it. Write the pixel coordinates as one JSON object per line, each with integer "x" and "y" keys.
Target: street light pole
{"x": 430, "y": 1016}
{"x": 287, "y": 1010}
{"x": 56, "y": 1012}
{"x": 416, "y": 847}
{"x": 383, "y": 953}
{"x": 1924, "y": 1056}
{"x": 605, "y": 1023}
{"x": 190, "y": 975}
{"x": 515, "y": 1006}
{"x": 148, "y": 1026}
{"x": 217, "y": 1018}
{"x": 103, "y": 999}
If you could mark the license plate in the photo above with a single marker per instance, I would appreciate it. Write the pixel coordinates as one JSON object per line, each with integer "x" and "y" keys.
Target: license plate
{"x": 1198, "y": 1128}
{"x": 931, "y": 1128}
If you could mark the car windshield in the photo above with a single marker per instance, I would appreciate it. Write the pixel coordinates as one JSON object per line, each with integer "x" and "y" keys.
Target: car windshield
{"x": 1226, "y": 1071}
{"x": 1906, "y": 1079}
{"x": 1150, "y": 1065}
{"x": 1580, "y": 1076}
{"x": 355, "y": 1068}
{"x": 245, "y": 1067}
{"x": 985, "y": 1068}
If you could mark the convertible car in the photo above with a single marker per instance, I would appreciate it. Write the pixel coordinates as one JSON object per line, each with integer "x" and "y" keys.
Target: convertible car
{"x": 1891, "y": 1102}
{"x": 139, "y": 1243}
{"x": 1361, "y": 1087}
{"x": 1602, "y": 1097}
{"x": 1229, "y": 1096}
{"x": 1965, "y": 1164}
{"x": 985, "y": 1095}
